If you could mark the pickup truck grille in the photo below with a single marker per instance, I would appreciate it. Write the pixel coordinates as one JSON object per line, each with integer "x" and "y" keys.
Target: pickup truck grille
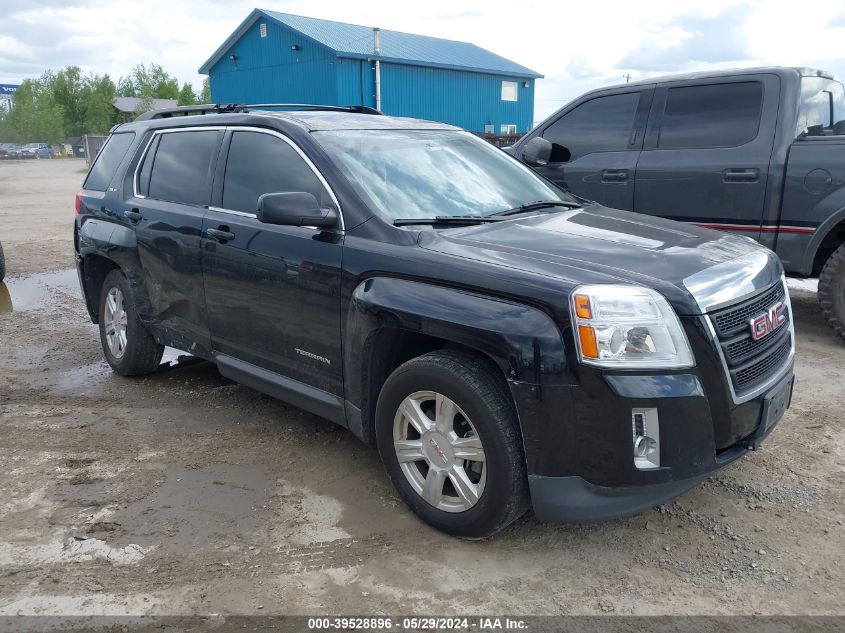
{"x": 750, "y": 363}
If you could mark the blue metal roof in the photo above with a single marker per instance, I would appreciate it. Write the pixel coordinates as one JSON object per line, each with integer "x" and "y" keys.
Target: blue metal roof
{"x": 352, "y": 40}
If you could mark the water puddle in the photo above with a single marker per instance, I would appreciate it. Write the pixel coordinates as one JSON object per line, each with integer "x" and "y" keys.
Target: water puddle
{"x": 37, "y": 291}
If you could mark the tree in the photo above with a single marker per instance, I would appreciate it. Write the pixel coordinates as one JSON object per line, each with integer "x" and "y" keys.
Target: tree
{"x": 35, "y": 116}
{"x": 205, "y": 96}
{"x": 187, "y": 96}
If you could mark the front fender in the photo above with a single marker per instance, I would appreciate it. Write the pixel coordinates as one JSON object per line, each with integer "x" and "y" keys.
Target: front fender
{"x": 522, "y": 340}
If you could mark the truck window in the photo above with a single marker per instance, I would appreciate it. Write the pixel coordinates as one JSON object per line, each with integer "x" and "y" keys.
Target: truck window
{"x": 716, "y": 115}
{"x": 180, "y": 169}
{"x": 259, "y": 163}
{"x": 603, "y": 124}
{"x": 110, "y": 156}
{"x": 821, "y": 110}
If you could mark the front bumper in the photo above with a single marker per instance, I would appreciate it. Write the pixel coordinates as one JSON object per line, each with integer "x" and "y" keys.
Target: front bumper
{"x": 575, "y": 498}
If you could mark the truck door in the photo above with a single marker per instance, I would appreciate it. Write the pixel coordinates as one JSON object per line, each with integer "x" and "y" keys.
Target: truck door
{"x": 707, "y": 150}
{"x": 595, "y": 146}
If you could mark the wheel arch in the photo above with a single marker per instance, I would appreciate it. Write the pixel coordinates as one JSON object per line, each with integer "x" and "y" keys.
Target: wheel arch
{"x": 392, "y": 320}
{"x": 830, "y": 240}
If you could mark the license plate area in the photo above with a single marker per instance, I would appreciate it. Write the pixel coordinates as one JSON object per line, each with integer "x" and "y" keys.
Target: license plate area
{"x": 776, "y": 404}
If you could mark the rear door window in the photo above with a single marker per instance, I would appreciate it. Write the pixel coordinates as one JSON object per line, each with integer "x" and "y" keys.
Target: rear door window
{"x": 260, "y": 163}
{"x": 716, "y": 115}
{"x": 107, "y": 161}
{"x": 180, "y": 170}
{"x": 603, "y": 124}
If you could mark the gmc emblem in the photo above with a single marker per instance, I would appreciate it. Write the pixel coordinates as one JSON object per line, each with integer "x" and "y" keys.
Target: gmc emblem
{"x": 767, "y": 322}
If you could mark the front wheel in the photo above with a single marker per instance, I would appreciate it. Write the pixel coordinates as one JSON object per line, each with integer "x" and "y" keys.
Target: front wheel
{"x": 448, "y": 435}
{"x": 832, "y": 291}
{"x": 128, "y": 347}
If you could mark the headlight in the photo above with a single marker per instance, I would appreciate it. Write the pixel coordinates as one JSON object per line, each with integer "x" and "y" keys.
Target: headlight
{"x": 628, "y": 327}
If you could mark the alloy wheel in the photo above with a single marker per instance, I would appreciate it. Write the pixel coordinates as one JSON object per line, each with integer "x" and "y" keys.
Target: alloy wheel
{"x": 439, "y": 451}
{"x": 114, "y": 320}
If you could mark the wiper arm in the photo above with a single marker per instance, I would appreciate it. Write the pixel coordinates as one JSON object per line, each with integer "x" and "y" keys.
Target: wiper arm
{"x": 448, "y": 220}
{"x": 534, "y": 206}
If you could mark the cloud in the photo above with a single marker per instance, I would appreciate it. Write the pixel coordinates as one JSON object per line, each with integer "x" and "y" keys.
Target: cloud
{"x": 690, "y": 40}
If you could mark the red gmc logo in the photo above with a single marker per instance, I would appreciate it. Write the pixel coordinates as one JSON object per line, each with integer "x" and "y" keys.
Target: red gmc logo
{"x": 768, "y": 322}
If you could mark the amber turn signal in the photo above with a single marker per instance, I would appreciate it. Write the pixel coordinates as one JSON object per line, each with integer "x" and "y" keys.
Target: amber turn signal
{"x": 582, "y": 307}
{"x": 589, "y": 347}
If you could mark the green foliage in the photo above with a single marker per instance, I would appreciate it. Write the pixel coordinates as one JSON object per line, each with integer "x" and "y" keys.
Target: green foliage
{"x": 68, "y": 103}
{"x": 187, "y": 96}
{"x": 205, "y": 96}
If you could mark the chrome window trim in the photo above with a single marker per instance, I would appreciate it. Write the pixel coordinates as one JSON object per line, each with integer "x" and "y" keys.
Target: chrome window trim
{"x": 775, "y": 378}
{"x": 302, "y": 155}
{"x": 136, "y": 176}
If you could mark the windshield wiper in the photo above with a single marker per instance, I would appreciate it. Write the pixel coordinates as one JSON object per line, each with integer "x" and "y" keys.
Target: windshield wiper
{"x": 534, "y": 206}
{"x": 448, "y": 220}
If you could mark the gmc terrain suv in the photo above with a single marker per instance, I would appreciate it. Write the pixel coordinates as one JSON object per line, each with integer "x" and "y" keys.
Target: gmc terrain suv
{"x": 503, "y": 343}
{"x": 759, "y": 152}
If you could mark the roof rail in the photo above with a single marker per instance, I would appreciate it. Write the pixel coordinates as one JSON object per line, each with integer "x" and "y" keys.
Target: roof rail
{"x": 206, "y": 108}
{"x": 359, "y": 109}
{"x": 224, "y": 108}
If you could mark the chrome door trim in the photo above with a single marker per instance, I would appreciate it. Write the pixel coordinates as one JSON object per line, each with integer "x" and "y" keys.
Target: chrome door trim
{"x": 193, "y": 128}
{"x": 302, "y": 155}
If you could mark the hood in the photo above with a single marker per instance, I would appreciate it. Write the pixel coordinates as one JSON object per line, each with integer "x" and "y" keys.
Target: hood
{"x": 687, "y": 264}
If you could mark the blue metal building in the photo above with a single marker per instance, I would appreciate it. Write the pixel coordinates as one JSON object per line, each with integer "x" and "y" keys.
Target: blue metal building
{"x": 280, "y": 58}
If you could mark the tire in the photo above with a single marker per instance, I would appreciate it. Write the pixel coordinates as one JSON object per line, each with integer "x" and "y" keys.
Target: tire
{"x": 832, "y": 291}
{"x": 496, "y": 487}
{"x": 136, "y": 353}
{"x": 2, "y": 264}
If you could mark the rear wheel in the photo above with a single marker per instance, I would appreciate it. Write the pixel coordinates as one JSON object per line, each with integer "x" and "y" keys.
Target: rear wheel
{"x": 128, "y": 347}
{"x": 448, "y": 435}
{"x": 832, "y": 291}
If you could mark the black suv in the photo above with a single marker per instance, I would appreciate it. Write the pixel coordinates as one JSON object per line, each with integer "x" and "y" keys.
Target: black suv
{"x": 502, "y": 342}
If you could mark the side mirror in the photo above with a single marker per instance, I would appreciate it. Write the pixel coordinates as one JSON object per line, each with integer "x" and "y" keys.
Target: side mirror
{"x": 537, "y": 152}
{"x": 294, "y": 208}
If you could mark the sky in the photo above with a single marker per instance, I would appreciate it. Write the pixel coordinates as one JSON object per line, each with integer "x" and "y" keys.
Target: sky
{"x": 577, "y": 46}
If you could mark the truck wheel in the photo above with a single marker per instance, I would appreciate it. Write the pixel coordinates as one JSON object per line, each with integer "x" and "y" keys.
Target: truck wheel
{"x": 448, "y": 435}
{"x": 2, "y": 264}
{"x": 832, "y": 291}
{"x": 128, "y": 347}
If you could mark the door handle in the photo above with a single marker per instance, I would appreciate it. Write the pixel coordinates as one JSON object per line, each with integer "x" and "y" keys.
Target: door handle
{"x": 614, "y": 175}
{"x": 134, "y": 215}
{"x": 740, "y": 175}
{"x": 220, "y": 234}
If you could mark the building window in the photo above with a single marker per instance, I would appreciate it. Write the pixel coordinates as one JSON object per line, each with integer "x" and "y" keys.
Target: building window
{"x": 508, "y": 129}
{"x": 509, "y": 90}
{"x": 489, "y": 128}
{"x": 262, "y": 29}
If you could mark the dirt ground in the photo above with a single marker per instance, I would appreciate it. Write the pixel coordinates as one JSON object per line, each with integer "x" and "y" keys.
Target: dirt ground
{"x": 183, "y": 493}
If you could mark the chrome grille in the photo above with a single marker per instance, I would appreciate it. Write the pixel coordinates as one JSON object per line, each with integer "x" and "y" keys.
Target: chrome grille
{"x": 751, "y": 363}
{"x": 763, "y": 367}
{"x": 736, "y": 318}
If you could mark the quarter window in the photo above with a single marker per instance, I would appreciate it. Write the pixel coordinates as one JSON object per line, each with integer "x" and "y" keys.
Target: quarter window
{"x": 718, "y": 115}
{"x": 603, "y": 124}
{"x": 107, "y": 161}
{"x": 260, "y": 163}
{"x": 510, "y": 91}
{"x": 180, "y": 168}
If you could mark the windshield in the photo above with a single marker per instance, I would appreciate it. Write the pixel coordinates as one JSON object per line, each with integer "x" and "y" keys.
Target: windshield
{"x": 821, "y": 111}
{"x": 423, "y": 174}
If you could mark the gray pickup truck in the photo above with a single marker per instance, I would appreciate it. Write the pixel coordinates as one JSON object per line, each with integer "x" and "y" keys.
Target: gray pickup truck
{"x": 760, "y": 152}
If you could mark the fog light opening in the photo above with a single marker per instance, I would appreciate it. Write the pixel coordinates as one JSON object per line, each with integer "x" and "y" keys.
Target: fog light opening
{"x": 645, "y": 429}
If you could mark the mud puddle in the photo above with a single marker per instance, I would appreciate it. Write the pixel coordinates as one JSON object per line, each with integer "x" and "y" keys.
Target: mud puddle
{"x": 38, "y": 291}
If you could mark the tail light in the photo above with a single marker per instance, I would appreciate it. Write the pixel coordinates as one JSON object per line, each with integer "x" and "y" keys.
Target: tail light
{"x": 77, "y": 205}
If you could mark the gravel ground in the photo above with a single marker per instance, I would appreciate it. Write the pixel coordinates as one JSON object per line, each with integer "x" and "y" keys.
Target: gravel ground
{"x": 183, "y": 493}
